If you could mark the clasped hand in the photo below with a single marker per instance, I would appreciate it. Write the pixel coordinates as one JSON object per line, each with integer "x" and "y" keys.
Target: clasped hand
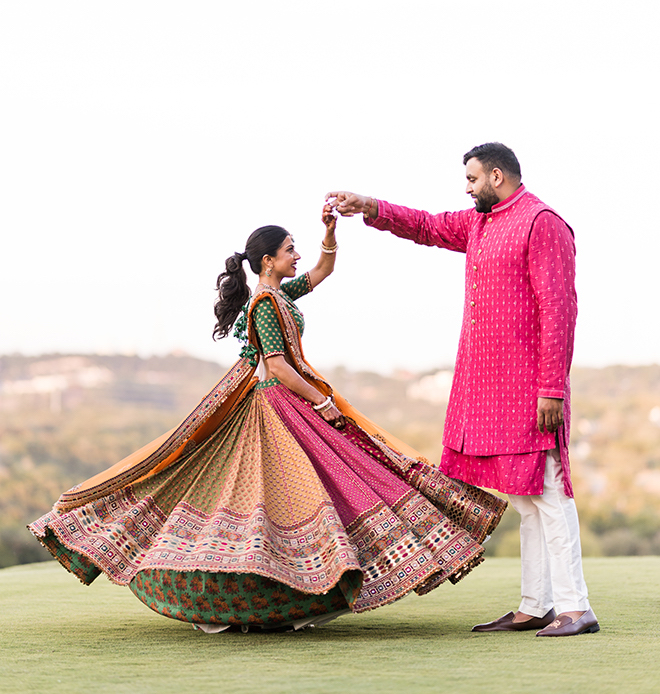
{"x": 346, "y": 203}
{"x": 329, "y": 218}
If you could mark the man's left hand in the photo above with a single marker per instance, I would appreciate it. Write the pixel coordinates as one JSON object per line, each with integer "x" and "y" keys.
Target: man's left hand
{"x": 550, "y": 414}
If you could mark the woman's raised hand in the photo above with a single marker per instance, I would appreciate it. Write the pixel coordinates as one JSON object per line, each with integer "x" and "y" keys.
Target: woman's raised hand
{"x": 329, "y": 218}
{"x": 346, "y": 203}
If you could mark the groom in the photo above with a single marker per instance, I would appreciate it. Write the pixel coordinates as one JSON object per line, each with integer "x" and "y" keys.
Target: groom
{"x": 508, "y": 418}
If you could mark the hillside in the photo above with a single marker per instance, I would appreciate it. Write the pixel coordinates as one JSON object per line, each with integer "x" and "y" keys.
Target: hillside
{"x": 65, "y": 417}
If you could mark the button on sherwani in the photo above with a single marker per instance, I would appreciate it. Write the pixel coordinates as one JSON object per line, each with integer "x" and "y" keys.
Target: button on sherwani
{"x": 516, "y": 341}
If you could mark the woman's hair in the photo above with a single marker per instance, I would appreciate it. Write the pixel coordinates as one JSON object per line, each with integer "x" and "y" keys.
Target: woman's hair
{"x": 233, "y": 290}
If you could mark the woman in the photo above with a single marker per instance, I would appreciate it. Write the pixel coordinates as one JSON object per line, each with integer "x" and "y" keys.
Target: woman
{"x": 275, "y": 504}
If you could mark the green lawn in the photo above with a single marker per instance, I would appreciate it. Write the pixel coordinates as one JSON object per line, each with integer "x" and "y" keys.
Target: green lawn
{"x": 59, "y": 636}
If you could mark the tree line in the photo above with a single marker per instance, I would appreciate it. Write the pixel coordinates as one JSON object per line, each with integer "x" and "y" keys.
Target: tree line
{"x": 66, "y": 417}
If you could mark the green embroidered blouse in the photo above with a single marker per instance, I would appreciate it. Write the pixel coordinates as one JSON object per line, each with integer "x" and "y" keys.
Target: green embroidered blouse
{"x": 269, "y": 333}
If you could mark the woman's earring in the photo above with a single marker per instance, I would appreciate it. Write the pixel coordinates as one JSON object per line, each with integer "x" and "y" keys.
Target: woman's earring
{"x": 269, "y": 272}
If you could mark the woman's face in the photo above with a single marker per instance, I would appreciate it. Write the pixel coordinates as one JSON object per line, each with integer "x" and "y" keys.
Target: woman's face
{"x": 284, "y": 263}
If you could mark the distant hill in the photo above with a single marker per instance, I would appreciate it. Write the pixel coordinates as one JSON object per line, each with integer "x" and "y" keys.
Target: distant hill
{"x": 65, "y": 417}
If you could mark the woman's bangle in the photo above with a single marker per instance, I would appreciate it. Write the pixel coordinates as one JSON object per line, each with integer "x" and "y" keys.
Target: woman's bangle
{"x": 329, "y": 249}
{"x": 368, "y": 212}
{"x": 326, "y": 403}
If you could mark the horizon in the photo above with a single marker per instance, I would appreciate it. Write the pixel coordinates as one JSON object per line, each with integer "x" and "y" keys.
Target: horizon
{"x": 326, "y": 367}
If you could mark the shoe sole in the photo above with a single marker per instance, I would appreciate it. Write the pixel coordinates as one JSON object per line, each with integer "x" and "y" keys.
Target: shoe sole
{"x": 589, "y": 630}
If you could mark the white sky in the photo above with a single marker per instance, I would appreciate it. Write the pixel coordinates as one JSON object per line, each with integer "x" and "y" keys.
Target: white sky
{"x": 141, "y": 142}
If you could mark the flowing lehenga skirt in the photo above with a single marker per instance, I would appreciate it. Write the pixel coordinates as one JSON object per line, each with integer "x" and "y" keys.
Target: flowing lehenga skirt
{"x": 277, "y": 518}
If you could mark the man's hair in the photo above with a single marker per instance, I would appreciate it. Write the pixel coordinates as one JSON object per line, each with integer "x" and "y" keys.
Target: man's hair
{"x": 495, "y": 155}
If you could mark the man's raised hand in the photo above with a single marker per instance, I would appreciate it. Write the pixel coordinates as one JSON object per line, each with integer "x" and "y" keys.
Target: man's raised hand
{"x": 348, "y": 204}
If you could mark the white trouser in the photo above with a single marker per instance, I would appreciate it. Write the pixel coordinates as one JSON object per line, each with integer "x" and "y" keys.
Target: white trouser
{"x": 550, "y": 551}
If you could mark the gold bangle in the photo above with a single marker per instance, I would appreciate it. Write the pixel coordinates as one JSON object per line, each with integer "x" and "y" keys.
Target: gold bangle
{"x": 329, "y": 249}
{"x": 325, "y": 404}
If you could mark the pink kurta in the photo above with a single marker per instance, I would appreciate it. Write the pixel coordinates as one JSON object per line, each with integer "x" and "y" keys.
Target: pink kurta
{"x": 516, "y": 341}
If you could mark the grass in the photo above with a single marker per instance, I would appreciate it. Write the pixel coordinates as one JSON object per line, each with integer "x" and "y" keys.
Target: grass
{"x": 59, "y": 636}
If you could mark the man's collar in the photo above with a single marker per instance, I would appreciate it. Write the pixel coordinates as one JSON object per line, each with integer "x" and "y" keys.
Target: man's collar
{"x": 511, "y": 200}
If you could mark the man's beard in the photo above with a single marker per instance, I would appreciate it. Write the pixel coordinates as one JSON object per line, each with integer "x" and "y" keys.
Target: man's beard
{"x": 486, "y": 199}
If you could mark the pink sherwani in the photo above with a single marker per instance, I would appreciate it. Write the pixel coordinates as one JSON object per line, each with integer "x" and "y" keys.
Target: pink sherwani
{"x": 516, "y": 341}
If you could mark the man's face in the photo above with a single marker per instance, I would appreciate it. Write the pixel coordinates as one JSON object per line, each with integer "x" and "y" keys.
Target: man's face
{"x": 479, "y": 186}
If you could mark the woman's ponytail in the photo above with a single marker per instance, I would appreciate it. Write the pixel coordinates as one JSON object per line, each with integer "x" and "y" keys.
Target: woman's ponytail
{"x": 233, "y": 293}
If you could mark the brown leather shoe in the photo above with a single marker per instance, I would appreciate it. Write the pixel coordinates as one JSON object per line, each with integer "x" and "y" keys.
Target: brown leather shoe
{"x": 506, "y": 623}
{"x": 563, "y": 626}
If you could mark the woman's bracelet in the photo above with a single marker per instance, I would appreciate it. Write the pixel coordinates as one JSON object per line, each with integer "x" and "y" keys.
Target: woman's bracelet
{"x": 368, "y": 211}
{"x": 329, "y": 249}
{"x": 326, "y": 403}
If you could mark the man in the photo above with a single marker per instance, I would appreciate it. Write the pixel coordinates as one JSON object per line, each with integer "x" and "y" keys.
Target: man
{"x": 508, "y": 418}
